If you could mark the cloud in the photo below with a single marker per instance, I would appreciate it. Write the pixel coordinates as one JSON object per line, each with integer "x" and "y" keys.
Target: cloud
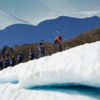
{"x": 7, "y": 19}
{"x": 77, "y": 14}
{"x": 59, "y": 5}
{"x": 18, "y": 19}
{"x": 87, "y": 13}
{"x": 35, "y": 11}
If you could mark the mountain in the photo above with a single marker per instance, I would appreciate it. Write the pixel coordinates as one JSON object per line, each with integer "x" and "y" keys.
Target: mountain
{"x": 50, "y": 48}
{"x": 47, "y": 30}
{"x": 69, "y": 75}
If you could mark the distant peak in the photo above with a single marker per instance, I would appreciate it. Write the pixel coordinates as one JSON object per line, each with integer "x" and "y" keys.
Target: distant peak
{"x": 66, "y": 17}
{"x": 62, "y": 17}
{"x": 95, "y": 17}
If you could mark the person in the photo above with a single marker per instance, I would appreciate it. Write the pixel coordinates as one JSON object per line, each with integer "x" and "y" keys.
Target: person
{"x": 6, "y": 62}
{"x": 58, "y": 41}
{"x": 60, "y": 38}
{"x": 41, "y": 49}
{"x": 12, "y": 61}
{"x": 1, "y": 64}
{"x": 20, "y": 57}
{"x": 31, "y": 54}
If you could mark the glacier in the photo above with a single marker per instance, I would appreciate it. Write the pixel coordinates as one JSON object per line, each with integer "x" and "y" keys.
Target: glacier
{"x": 73, "y": 74}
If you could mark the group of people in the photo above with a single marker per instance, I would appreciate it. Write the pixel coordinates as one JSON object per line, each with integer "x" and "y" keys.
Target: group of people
{"x": 6, "y": 62}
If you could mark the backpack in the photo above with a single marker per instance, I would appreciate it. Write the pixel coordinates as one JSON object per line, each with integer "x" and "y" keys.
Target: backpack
{"x": 12, "y": 61}
{"x": 20, "y": 56}
{"x": 1, "y": 64}
{"x": 6, "y": 62}
{"x": 56, "y": 40}
{"x": 31, "y": 54}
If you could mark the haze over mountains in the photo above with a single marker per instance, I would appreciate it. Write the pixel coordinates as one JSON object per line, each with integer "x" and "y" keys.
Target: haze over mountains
{"x": 47, "y": 30}
{"x": 7, "y": 19}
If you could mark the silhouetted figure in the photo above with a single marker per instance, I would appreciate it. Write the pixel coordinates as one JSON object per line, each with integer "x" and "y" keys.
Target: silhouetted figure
{"x": 1, "y": 64}
{"x": 20, "y": 57}
{"x": 6, "y": 62}
{"x": 58, "y": 41}
{"x": 41, "y": 49}
{"x": 12, "y": 61}
{"x": 31, "y": 54}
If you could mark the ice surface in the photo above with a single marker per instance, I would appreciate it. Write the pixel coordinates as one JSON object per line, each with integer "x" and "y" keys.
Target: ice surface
{"x": 79, "y": 65}
{"x": 13, "y": 92}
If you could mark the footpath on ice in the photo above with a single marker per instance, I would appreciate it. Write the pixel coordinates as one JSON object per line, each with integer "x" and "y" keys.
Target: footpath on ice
{"x": 79, "y": 65}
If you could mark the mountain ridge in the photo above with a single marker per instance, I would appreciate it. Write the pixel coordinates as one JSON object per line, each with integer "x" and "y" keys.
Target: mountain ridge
{"x": 47, "y": 30}
{"x": 50, "y": 48}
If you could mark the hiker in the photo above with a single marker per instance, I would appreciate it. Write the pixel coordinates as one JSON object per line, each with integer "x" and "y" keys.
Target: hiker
{"x": 31, "y": 54}
{"x": 1, "y": 64}
{"x": 58, "y": 41}
{"x": 6, "y": 62}
{"x": 12, "y": 61}
{"x": 41, "y": 49}
{"x": 20, "y": 57}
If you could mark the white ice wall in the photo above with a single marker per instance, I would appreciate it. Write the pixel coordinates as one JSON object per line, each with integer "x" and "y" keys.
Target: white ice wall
{"x": 77, "y": 65}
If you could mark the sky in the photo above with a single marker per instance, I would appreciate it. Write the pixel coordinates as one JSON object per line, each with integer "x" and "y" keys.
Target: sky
{"x": 34, "y": 11}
